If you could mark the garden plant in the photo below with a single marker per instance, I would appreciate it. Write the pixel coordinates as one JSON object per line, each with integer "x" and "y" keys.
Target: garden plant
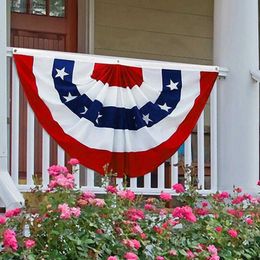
{"x": 73, "y": 224}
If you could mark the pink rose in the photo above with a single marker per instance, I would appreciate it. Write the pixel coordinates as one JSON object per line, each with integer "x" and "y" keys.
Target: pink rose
{"x": 190, "y": 217}
{"x": 212, "y": 250}
{"x": 205, "y": 204}
{"x": 2, "y": 220}
{"x": 88, "y": 195}
{"x": 29, "y": 243}
{"x": 254, "y": 201}
{"x": 235, "y": 213}
{"x": 75, "y": 212}
{"x": 12, "y": 212}
{"x": 53, "y": 184}
{"x": 190, "y": 255}
{"x": 221, "y": 196}
{"x": 249, "y": 221}
{"x": 112, "y": 258}
{"x": 9, "y": 239}
{"x": 73, "y": 161}
{"x": 247, "y": 196}
{"x": 178, "y": 187}
{"x": 55, "y": 170}
{"x": 214, "y": 257}
{"x": 149, "y": 207}
{"x": 126, "y": 194}
{"x": 137, "y": 229}
{"x": 158, "y": 229}
{"x": 202, "y": 211}
{"x": 99, "y": 203}
{"x": 130, "y": 256}
{"x": 238, "y": 200}
{"x": 111, "y": 189}
{"x": 238, "y": 190}
{"x": 184, "y": 212}
{"x": 66, "y": 182}
{"x": 258, "y": 183}
{"x": 159, "y": 258}
{"x": 218, "y": 229}
{"x": 134, "y": 214}
{"x": 65, "y": 211}
{"x": 132, "y": 243}
{"x": 172, "y": 252}
{"x": 232, "y": 232}
{"x": 165, "y": 196}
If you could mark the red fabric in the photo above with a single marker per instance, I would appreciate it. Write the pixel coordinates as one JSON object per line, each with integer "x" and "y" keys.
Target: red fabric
{"x": 133, "y": 164}
{"x": 118, "y": 75}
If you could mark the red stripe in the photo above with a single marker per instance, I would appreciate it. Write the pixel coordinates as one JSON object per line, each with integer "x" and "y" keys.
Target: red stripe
{"x": 118, "y": 75}
{"x": 133, "y": 164}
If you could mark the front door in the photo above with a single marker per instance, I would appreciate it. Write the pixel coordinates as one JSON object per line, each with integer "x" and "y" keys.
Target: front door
{"x": 48, "y": 25}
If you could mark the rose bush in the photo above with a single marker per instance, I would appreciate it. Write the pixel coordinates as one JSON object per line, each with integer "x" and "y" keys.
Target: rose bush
{"x": 73, "y": 224}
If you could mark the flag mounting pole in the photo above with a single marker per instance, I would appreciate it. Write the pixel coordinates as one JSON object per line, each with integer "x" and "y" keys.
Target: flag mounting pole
{"x": 9, "y": 193}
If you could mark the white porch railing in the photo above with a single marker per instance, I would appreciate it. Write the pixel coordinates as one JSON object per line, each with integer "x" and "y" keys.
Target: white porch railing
{"x": 152, "y": 183}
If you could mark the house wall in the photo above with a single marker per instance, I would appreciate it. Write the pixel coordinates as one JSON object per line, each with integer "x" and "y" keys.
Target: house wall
{"x": 171, "y": 30}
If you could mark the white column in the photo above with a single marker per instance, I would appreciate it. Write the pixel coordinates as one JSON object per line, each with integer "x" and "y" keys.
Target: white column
{"x": 9, "y": 193}
{"x": 236, "y": 47}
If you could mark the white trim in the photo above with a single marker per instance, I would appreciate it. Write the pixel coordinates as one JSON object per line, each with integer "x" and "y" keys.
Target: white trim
{"x": 91, "y": 26}
{"x": 113, "y": 59}
{"x": 9, "y": 193}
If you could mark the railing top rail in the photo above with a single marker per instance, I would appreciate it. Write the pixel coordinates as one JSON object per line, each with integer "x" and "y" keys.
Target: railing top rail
{"x": 222, "y": 71}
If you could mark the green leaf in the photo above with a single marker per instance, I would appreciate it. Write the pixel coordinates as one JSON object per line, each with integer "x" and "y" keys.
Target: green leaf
{"x": 89, "y": 241}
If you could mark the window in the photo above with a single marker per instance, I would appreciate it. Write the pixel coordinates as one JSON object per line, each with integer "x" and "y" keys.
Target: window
{"x": 38, "y": 7}
{"x": 55, "y": 8}
{"x": 19, "y": 6}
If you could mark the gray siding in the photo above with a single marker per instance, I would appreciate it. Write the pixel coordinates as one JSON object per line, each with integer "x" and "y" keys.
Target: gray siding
{"x": 171, "y": 30}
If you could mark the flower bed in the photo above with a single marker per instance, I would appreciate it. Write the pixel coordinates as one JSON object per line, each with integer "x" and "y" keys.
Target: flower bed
{"x": 70, "y": 224}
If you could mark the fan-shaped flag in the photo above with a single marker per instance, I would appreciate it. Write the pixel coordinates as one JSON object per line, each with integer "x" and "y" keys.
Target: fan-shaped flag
{"x": 130, "y": 114}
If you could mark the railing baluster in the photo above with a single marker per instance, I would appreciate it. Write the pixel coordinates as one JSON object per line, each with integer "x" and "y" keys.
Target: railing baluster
{"x": 133, "y": 183}
{"x": 119, "y": 182}
{"x": 187, "y": 151}
{"x": 201, "y": 148}
{"x": 161, "y": 177}
{"x": 15, "y": 126}
{"x": 175, "y": 169}
{"x": 77, "y": 173}
{"x": 45, "y": 158}
{"x": 90, "y": 178}
{"x": 213, "y": 139}
{"x": 30, "y": 146}
{"x": 147, "y": 181}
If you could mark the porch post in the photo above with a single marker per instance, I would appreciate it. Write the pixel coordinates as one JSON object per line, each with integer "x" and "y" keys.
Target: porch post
{"x": 9, "y": 193}
{"x": 236, "y": 47}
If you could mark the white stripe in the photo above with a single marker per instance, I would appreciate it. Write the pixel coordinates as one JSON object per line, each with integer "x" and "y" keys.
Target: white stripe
{"x": 114, "y": 140}
{"x": 114, "y": 96}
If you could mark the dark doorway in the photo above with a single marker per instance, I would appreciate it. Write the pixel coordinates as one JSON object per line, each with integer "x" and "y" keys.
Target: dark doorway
{"x": 48, "y": 25}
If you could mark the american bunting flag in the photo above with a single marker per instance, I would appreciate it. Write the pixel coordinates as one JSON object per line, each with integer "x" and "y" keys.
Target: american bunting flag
{"x": 129, "y": 114}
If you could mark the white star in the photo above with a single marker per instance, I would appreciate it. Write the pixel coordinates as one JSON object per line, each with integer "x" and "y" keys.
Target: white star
{"x": 69, "y": 97}
{"x": 172, "y": 85}
{"x": 85, "y": 111}
{"x": 61, "y": 73}
{"x": 165, "y": 107}
{"x": 98, "y": 117}
{"x": 147, "y": 119}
